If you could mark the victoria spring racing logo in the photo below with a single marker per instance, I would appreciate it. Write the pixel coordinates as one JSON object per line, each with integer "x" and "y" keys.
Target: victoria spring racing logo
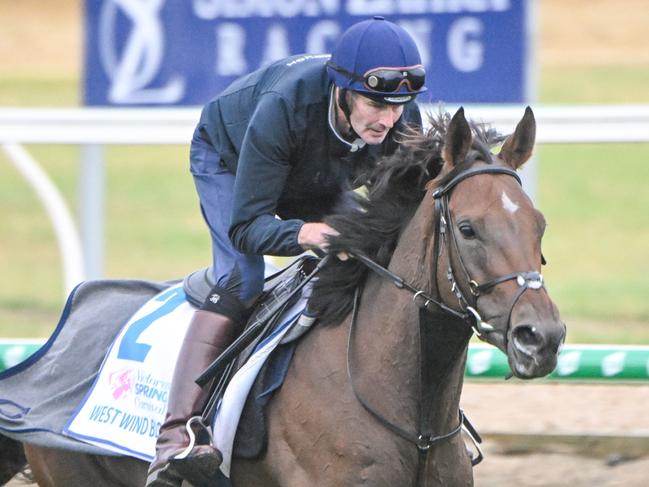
{"x": 132, "y": 61}
{"x": 120, "y": 383}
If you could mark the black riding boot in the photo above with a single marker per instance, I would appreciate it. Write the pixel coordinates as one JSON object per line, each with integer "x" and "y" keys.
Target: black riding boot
{"x": 208, "y": 335}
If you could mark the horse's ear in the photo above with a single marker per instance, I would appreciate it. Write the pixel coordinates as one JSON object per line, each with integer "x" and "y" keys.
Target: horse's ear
{"x": 518, "y": 147}
{"x": 458, "y": 139}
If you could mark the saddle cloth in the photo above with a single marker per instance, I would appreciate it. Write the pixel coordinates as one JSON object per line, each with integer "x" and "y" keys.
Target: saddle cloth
{"x": 127, "y": 402}
{"x": 126, "y": 405}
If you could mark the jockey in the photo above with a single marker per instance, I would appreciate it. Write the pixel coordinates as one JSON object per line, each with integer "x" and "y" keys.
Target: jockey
{"x": 271, "y": 157}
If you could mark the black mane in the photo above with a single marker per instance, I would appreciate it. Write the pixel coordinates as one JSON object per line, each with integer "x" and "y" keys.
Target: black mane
{"x": 395, "y": 188}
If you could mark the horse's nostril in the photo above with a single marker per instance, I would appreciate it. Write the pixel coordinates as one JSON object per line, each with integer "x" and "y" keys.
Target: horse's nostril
{"x": 526, "y": 336}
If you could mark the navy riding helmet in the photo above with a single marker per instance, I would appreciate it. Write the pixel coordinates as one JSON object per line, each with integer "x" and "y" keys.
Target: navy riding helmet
{"x": 379, "y": 59}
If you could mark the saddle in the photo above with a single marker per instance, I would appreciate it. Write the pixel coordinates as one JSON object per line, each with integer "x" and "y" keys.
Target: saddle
{"x": 278, "y": 295}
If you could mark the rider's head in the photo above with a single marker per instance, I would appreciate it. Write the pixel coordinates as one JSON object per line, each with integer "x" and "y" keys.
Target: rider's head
{"x": 380, "y": 61}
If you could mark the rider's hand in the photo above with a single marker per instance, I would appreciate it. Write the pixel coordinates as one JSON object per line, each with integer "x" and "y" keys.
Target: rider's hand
{"x": 314, "y": 236}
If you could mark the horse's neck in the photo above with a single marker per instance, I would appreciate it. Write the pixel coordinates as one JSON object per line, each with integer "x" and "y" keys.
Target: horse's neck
{"x": 388, "y": 329}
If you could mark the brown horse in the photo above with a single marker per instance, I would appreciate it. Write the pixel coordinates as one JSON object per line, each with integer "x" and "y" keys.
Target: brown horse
{"x": 447, "y": 242}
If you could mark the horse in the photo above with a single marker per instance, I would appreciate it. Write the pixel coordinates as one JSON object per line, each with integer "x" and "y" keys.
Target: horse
{"x": 444, "y": 244}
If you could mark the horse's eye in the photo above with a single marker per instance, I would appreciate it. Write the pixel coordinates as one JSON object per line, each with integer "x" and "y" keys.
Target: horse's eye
{"x": 466, "y": 230}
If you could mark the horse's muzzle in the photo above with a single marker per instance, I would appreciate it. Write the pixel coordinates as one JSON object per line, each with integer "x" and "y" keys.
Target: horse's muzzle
{"x": 533, "y": 350}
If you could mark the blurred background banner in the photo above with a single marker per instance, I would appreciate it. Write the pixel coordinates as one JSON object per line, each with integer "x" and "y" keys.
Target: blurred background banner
{"x": 184, "y": 52}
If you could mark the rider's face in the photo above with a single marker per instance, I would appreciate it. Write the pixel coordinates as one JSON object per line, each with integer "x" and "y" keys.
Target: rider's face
{"x": 372, "y": 120}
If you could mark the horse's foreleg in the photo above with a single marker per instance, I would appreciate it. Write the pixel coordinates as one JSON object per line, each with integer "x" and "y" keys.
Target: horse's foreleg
{"x": 38, "y": 462}
{"x": 12, "y": 459}
{"x": 449, "y": 465}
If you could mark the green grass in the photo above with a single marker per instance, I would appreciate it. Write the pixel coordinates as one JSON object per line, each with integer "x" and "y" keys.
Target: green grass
{"x": 622, "y": 84}
{"x": 593, "y": 197}
{"x": 153, "y": 228}
{"x": 595, "y": 201}
{"x": 39, "y": 92}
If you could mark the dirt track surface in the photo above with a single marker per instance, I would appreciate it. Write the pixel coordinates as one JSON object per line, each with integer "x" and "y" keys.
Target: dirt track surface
{"x": 581, "y": 427}
{"x": 558, "y": 469}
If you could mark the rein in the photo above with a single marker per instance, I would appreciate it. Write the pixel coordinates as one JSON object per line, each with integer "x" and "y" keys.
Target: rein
{"x": 424, "y": 439}
{"x": 401, "y": 284}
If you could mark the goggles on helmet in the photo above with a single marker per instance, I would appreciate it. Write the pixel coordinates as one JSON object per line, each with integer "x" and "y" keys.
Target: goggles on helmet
{"x": 387, "y": 80}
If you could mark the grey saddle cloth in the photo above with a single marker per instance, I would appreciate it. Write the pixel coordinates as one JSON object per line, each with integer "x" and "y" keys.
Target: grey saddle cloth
{"x": 39, "y": 395}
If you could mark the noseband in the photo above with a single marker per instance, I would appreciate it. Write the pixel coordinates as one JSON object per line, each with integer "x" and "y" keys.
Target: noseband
{"x": 467, "y": 312}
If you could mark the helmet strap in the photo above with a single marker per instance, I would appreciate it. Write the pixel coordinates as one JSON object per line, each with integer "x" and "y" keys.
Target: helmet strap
{"x": 344, "y": 106}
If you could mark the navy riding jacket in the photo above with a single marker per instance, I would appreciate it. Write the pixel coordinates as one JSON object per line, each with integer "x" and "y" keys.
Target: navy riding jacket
{"x": 272, "y": 129}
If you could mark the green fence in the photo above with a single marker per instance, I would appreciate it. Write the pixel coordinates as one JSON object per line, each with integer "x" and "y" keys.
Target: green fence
{"x": 612, "y": 363}
{"x": 576, "y": 362}
{"x": 13, "y": 351}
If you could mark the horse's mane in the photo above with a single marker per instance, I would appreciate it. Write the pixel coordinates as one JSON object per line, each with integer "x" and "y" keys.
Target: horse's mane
{"x": 395, "y": 187}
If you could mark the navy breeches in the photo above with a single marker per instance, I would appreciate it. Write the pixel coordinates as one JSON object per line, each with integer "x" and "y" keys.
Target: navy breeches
{"x": 241, "y": 275}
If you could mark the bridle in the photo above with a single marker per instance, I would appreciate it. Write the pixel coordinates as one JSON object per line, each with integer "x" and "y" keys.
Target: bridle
{"x": 443, "y": 232}
{"x": 467, "y": 312}
{"x": 444, "y": 238}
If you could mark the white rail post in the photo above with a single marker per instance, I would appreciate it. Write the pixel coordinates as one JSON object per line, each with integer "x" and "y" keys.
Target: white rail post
{"x": 64, "y": 227}
{"x": 91, "y": 209}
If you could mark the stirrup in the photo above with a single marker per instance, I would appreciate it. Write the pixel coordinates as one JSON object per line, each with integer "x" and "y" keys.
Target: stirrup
{"x": 478, "y": 456}
{"x": 192, "y": 436}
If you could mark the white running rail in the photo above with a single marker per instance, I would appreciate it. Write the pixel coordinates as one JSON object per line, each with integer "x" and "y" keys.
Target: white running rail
{"x": 103, "y": 126}
{"x": 555, "y": 124}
